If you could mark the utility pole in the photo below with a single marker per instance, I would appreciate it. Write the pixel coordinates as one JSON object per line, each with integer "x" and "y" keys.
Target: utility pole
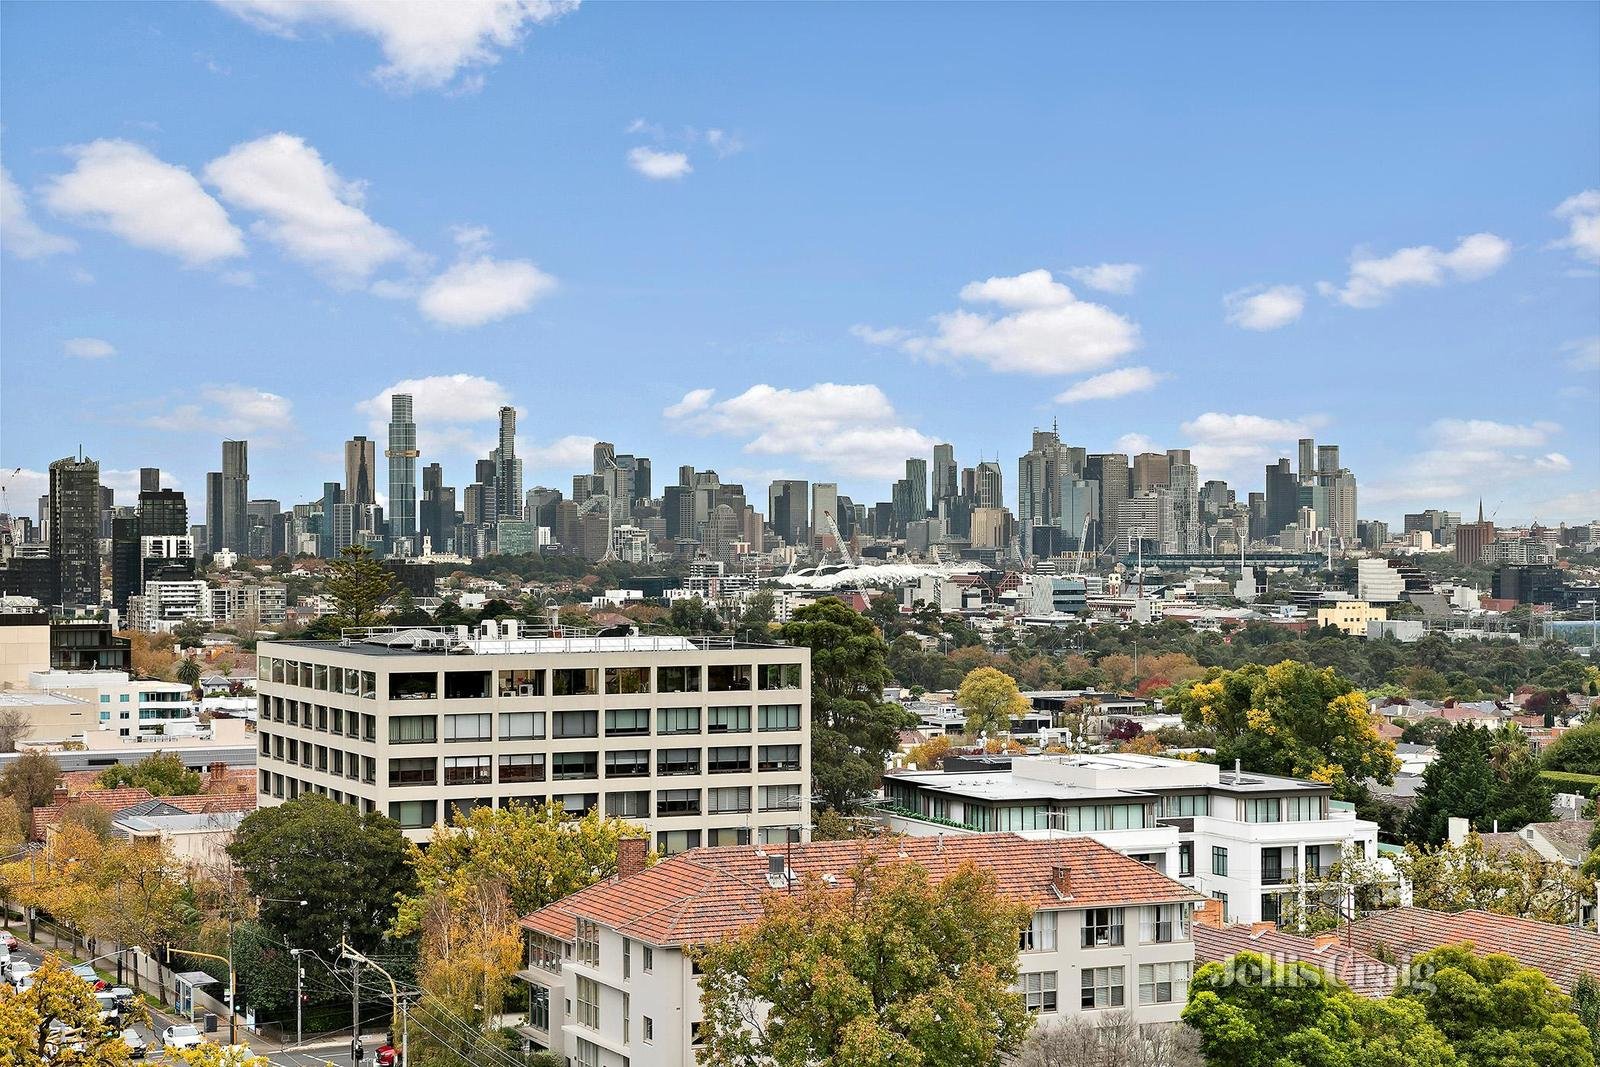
{"x": 299, "y": 998}
{"x": 355, "y": 1006}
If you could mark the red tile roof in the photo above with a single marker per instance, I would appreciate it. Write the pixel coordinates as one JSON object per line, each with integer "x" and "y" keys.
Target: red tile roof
{"x": 212, "y": 802}
{"x": 112, "y": 800}
{"x": 707, "y": 893}
{"x": 1562, "y": 953}
{"x": 1365, "y": 974}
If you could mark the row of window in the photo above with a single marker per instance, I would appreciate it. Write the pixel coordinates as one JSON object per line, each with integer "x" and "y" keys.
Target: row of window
{"x": 335, "y": 761}
{"x": 319, "y": 717}
{"x": 1105, "y": 927}
{"x": 619, "y": 722}
{"x": 535, "y": 681}
{"x": 1105, "y": 987}
{"x": 346, "y": 680}
{"x": 567, "y": 766}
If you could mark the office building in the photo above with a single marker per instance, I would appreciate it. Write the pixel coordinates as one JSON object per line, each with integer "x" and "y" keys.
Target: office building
{"x": 235, "y": 496}
{"x": 124, "y": 557}
{"x": 1282, "y": 497}
{"x": 402, "y": 456}
{"x": 163, "y": 513}
{"x": 611, "y": 983}
{"x": 1039, "y": 488}
{"x": 508, "y": 469}
{"x": 213, "y": 526}
{"x": 75, "y": 530}
{"x": 1111, "y": 471}
{"x": 1308, "y": 459}
{"x": 988, "y": 485}
{"x": 946, "y": 478}
{"x": 1151, "y": 470}
{"x": 700, "y": 742}
{"x": 787, "y": 510}
{"x": 1147, "y": 517}
{"x": 360, "y": 471}
{"x": 1473, "y": 537}
{"x": 824, "y": 512}
{"x": 149, "y": 479}
{"x": 1183, "y": 480}
{"x": 917, "y": 477}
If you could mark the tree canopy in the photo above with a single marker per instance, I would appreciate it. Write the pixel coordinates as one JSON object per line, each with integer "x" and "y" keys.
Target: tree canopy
{"x": 1514, "y": 881}
{"x": 34, "y": 1024}
{"x": 1484, "y": 776}
{"x": 162, "y": 773}
{"x": 348, "y": 866}
{"x": 1577, "y": 750}
{"x": 1290, "y": 718}
{"x": 853, "y": 730}
{"x": 359, "y": 585}
{"x": 991, "y": 700}
{"x": 894, "y": 969}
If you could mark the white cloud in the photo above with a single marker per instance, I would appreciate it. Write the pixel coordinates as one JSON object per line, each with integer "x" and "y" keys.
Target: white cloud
{"x": 1467, "y": 458}
{"x": 1264, "y": 307}
{"x": 1046, "y": 330}
{"x": 1374, "y": 278}
{"x": 482, "y": 290}
{"x": 234, "y": 411}
{"x": 1111, "y": 384}
{"x": 307, "y": 209}
{"x": 426, "y": 45}
{"x": 120, "y": 187}
{"x": 1238, "y": 446}
{"x": 22, "y": 236}
{"x": 852, "y": 430}
{"x": 659, "y": 166}
{"x": 88, "y": 348}
{"x": 1553, "y": 461}
{"x": 562, "y": 454}
{"x": 1119, "y": 278}
{"x": 1583, "y": 354}
{"x": 723, "y": 143}
{"x": 1581, "y": 212}
{"x": 891, "y": 335}
{"x": 1485, "y": 433}
{"x": 454, "y": 413}
{"x": 1131, "y": 444}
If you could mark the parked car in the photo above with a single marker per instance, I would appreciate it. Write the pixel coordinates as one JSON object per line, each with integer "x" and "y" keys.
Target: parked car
{"x": 136, "y": 1044}
{"x": 88, "y": 974}
{"x": 110, "y": 1012}
{"x": 388, "y": 1056}
{"x": 123, "y": 996}
{"x": 19, "y": 972}
{"x": 184, "y": 1035}
{"x": 8, "y": 939}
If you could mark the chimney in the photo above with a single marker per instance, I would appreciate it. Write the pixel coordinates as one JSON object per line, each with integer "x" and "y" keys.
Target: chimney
{"x": 1323, "y": 940}
{"x": 1209, "y": 913}
{"x": 1061, "y": 881}
{"x": 1263, "y": 928}
{"x": 631, "y": 854}
{"x": 216, "y": 775}
{"x": 1459, "y": 828}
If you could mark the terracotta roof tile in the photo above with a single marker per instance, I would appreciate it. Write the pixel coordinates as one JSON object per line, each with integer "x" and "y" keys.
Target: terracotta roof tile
{"x": 1562, "y": 953}
{"x": 1365, "y": 974}
{"x": 707, "y": 893}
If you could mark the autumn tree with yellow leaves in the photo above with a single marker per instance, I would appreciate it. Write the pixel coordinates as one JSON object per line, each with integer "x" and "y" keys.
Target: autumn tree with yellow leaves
{"x": 1291, "y": 718}
{"x": 991, "y": 700}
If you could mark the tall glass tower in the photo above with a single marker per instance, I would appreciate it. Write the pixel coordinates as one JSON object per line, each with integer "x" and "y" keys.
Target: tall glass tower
{"x": 402, "y": 453}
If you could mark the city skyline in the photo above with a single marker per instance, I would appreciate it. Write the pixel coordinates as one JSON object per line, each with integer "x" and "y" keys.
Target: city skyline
{"x": 832, "y": 339}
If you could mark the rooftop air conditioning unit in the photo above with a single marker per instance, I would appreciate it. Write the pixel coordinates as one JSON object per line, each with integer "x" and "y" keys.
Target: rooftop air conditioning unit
{"x": 525, "y": 690}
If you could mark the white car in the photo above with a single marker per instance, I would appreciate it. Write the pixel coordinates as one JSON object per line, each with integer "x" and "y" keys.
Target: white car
{"x": 20, "y": 974}
{"x": 183, "y": 1035}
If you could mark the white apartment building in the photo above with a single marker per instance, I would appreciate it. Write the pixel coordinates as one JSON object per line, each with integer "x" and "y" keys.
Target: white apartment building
{"x": 123, "y": 705}
{"x": 610, "y": 972}
{"x": 165, "y": 605}
{"x": 1378, "y": 582}
{"x": 1241, "y": 838}
{"x": 265, "y": 601}
{"x": 699, "y": 740}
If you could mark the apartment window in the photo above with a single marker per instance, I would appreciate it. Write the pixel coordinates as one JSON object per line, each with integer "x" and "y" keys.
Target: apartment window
{"x": 369, "y": 769}
{"x": 413, "y": 685}
{"x": 1271, "y": 866}
{"x": 1040, "y": 934}
{"x": 413, "y": 814}
{"x": 588, "y": 991}
{"x": 648, "y": 1025}
{"x": 322, "y": 718}
{"x": 649, "y": 960}
{"x": 413, "y": 729}
{"x": 1219, "y": 860}
{"x": 779, "y": 797}
{"x": 539, "y": 1007}
{"x": 628, "y": 763}
{"x": 1303, "y": 809}
{"x": 522, "y": 767}
{"x": 1187, "y": 805}
{"x": 728, "y": 678}
{"x": 576, "y": 724}
{"x": 521, "y": 725}
{"x": 727, "y": 835}
{"x": 567, "y": 766}
{"x": 678, "y": 721}
{"x": 729, "y": 798}
{"x": 629, "y": 805}
{"x": 672, "y": 842}
{"x": 467, "y": 685}
{"x": 1161, "y": 923}
{"x": 1102, "y": 927}
{"x": 1223, "y": 899}
{"x": 335, "y": 721}
{"x": 1261, "y": 809}
{"x": 369, "y": 727}
{"x": 322, "y": 758}
{"x": 777, "y": 717}
{"x": 780, "y": 758}
{"x": 677, "y": 679}
{"x": 779, "y": 675}
{"x": 468, "y": 770}
{"x": 728, "y": 720}
{"x": 586, "y": 943}
{"x": 624, "y": 680}
{"x": 413, "y": 771}
{"x": 587, "y": 1054}
{"x": 478, "y": 727}
{"x": 627, "y": 1013}
{"x": 338, "y": 761}
{"x": 266, "y": 744}
{"x": 1039, "y": 990}
{"x": 1185, "y": 859}
{"x": 1164, "y": 983}
{"x": 627, "y": 957}
{"x": 574, "y": 682}
{"x": 678, "y": 802}
{"x": 678, "y": 761}
{"x": 1313, "y": 861}
{"x": 522, "y": 683}
{"x": 369, "y": 684}
{"x": 294, "y": 711}
{"x": 352, "y": 724}
{"x": 728, "y": 760}
{"x": 627, "y": 722}
{"x": 577, "y": 805}
{"x": 1102, "y": 987}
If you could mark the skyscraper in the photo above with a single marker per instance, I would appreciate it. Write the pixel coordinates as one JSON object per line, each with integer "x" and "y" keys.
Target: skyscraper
{"x": 1327, "y": 459}
{"x": 917, "y": 475}
{"x": 508, "y": 471}
{"x": 1184, "y": 479}
{"x": 75, "y": 530}
{"x": 787, "y": 511}
{"x": 1110, "y": 469}
{"x": 360, "y": 475}
{"x": 824, "y": 502}
{"x": 1283, "y": 497}
{"x": 1039, "y": 487}
{"x": 989, "y": 485}
{"x": 149, "y": 479}
{"x": 1151, "y": 470}
{"x": 1308, "y": 459}
{"x": 163, "y": 513}
{"x": 402, "y": 455}
{"x": 235, "y": 496}
{"x": 213, "y": 512}
{"x": 945, "y": 483}
{"x": 604, "y": 453}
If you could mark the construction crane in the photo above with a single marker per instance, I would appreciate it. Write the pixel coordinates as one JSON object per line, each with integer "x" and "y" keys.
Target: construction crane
{"x": 838, "y": 539}
{"x": 1083, "y": 541}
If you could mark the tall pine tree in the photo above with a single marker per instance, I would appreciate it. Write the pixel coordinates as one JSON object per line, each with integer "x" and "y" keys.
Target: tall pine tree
{"x": 1486, "y": 777}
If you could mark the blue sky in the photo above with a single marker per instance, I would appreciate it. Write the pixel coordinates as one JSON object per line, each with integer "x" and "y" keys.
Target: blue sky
{"x": 809, "y": 240}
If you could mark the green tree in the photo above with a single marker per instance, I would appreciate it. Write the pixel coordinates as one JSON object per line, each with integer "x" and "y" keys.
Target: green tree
{"x": 162, "y": 773}
{"x": 536, "y": 852}
{"x": 893, "y": 968}
{"x": 1251, "y": 1011}
{"x": 188, "y": 672}
{"x": 853, "y": 730}
{"x": 1482, "y": 776}
{"x": 349, "y": 867}
{"x": 1577, "y": 750}
{"x": 1512, "y": 881}
{"x": 991, "y": 700}
{"x": 1586, "y": 1005}
{"x": 359, "y": 585}
{"x": 1494, "y": 1011}
{"x": 1291, "y": 718}
{"x": 30, "y": 780}
{"x": 33, "y": 1023}
{"x": 1425, "y": 731}
{"x": 754, "y": 622}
